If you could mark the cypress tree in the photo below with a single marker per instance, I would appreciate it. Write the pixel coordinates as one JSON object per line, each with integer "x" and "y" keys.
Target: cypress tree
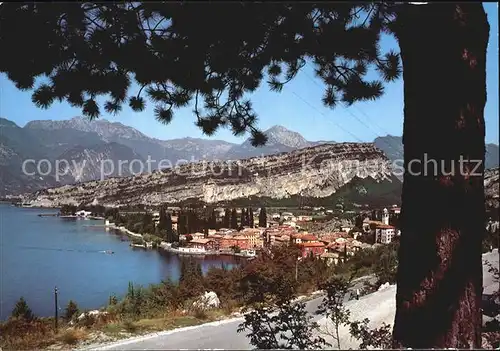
{"x": 251, "y": 222}
{"x": 263, "y": 218}
{"x": 243, "y": 218}
{"x": 169, "y": 232}
{"x": 234, "y": 219}
{"x": 213, "y": 220}
{"x": 189, "y": 221}
{"x": 162, "y": 223}
{"x": 182, "y": 223}
{"x": 227, "y": 218}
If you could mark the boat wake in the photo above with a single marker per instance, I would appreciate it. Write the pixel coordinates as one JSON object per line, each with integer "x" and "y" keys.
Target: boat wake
{"x": 109, "y": 252}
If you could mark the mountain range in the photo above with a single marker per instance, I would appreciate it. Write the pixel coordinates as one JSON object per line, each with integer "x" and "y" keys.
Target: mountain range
{"x": 85, "y": 144}
{"x": 330, "y": 170}
{"x": 393, "y": 149}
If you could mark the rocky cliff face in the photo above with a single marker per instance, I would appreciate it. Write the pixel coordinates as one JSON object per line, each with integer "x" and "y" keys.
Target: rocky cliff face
{"x": 312, "y": 172}
{"x": 98, "y": 162}
{"x": 392, "y": 146}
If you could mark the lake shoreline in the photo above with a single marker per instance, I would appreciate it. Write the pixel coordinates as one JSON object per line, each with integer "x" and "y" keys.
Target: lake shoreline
{"x": 166, "y": 246}
{"x": 44, "y": 252}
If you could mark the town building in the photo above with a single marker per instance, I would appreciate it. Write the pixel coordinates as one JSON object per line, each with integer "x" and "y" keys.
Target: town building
{"x": 385, "y": 217}
{"x": 272, "y": 234}
{"x": 330, "y": 258}
{"x": 300, "y": 238}
{"x": 311, "y": 248}
{"x": 253, "y": 236}
{"x": 384, "y": 233}
{"x": 174, "y": 222}
{"x": 226, "y": 242}
{"x": 270, "y": 224}
{"x": 83, "y": 213}
{"x": 276, "y": 216}
{"x": 346, "y": 229}
{"x": 291, "y": 224}
{"x": 281, "y": 240}
{"x": 395, "y": 210}
{"x": 202, "y": 244}
{"x": 368, "y": 224}
{"x": 156, "y": 218}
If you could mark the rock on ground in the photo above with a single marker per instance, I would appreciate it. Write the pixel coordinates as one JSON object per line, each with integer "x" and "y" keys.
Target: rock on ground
{"x": 208, "y": 300}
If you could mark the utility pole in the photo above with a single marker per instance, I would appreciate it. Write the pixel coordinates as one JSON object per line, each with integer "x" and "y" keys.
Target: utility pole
{"x": 56, "y": 312}
{"x": 297, "y": 269}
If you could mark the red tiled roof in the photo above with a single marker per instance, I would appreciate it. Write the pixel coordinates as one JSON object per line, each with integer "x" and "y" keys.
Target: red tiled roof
{"x": 384, "y": 226}
{"x": 240, "y": 237}
{"x": 308, "y": 237}
{"x": 312, "y": 245}
{"x": 200, "y": 241}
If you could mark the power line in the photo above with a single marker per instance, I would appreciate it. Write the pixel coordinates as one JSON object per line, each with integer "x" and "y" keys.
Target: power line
{"x": 329, "y": 120}
{"x": 357, "y": 118}
{"x": 350, "y": 113}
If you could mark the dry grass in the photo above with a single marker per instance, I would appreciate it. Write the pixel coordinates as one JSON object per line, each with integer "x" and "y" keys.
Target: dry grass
{"x": 166, "y": 323}
{"x": 199, "y": 313}
{"x": 73, "y": 336}
{"x": 230, "y": 306}
{"x": 130, "y": 326}
{"x": 39, "y": 334}
{"x": 26, "y": 335}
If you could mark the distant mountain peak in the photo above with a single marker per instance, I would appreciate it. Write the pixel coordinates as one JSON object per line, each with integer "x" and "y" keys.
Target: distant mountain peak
{"x": 278, "y": 134}
{"x": 278, "y": 128}
{"x": 4, "y": 122}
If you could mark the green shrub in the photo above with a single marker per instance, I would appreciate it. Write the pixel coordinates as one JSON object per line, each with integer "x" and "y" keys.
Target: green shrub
{"x": 71, "y": 310}
{"x": 22, "y": 311}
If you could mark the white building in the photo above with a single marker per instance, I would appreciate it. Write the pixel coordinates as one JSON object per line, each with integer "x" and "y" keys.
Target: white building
{"x": 156, "y": 217}
{"x": 384, "y": 233}
{"x": 396, "y": 210}
{"x": 346, "y": 229}
{"x": 385, "y": 217}
{"x": 83, "y": 213}
{"x": 276, "y": 216}
{"x": 291, "y": 224}
{"x": 288, "y": 216}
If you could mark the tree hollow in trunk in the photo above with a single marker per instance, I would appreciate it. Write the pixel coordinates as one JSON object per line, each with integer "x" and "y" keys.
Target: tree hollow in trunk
{"x": 439, "y": 282}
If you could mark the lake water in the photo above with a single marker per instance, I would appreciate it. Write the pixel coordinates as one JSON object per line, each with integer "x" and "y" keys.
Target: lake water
{"x": 39, "y": 253}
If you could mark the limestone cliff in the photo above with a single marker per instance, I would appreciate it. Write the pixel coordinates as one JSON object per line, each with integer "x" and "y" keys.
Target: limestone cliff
{"x": 312, "y": 172}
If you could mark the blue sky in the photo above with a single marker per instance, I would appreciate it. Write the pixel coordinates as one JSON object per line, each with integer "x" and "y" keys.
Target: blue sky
{"x": 298, "y": 107}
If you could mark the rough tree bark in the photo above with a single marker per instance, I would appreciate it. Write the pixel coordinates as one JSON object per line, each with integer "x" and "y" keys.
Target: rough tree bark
{"x": 439, "y": 283}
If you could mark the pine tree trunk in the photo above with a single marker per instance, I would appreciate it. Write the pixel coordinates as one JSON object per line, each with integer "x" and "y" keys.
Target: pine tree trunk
{"x": 439, "y": 281}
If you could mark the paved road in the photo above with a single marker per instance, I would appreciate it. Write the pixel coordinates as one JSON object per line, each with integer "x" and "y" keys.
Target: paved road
{"x": 378, "y": 307}
{"x": 214, "y": 335}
